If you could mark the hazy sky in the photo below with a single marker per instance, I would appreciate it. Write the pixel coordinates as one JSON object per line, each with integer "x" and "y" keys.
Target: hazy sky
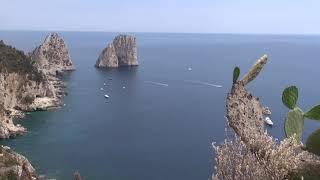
{"x": 204, "y": 16}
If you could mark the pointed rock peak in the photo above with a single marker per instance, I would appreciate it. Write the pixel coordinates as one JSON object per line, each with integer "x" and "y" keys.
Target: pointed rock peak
{"x": 125, "y": 37}
{"x": 121, "y": 52}
{"x": 53, "y": 54}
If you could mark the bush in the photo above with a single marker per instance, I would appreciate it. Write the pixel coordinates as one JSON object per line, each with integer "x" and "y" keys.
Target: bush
{"x": 27, "y": 99}
{"x": 15, "y": 61}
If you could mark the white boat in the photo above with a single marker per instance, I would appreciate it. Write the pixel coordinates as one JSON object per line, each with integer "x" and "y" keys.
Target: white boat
{"x": 106, "y": 96}
{"x": 104, "y": 84}
{"x": 190, "y": 69}
{"x": 268, "y": 121}
{"x": 101, "y": 89}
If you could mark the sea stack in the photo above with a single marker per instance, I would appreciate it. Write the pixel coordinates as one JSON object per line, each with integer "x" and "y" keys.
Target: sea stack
{"x": 52, "y": 56}
{"x": 121, "y": 52}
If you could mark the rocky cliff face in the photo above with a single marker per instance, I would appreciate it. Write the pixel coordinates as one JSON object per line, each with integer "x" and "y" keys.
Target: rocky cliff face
{"x": 22, "y": 87}
{"x": 108, "y": 57}
{"x": 52, "y": 55}
{"x": 29, "y": 83}
{"x": 121, "y": 52}
{"x": 15, "y": 166}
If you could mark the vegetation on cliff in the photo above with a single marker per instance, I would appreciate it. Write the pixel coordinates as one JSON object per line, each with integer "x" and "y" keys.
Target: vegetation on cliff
{"x": 249, "y": 152}
{"x": 15, "y": 166}
{"x": 15, "y": 61}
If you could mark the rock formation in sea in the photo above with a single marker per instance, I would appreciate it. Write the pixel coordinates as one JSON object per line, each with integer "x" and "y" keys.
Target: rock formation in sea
{"x": 52, "y": 56}
{"x": 108, "y": 57}
{"x": 121, "y": 52}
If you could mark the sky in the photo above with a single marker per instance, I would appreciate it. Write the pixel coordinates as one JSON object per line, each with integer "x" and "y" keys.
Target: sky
{"x": 187, "y": 16}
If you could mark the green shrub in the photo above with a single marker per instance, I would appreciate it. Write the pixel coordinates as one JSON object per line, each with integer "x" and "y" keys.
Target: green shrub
{"x": 27, "y": 99}
{"x": 15, "y": 61}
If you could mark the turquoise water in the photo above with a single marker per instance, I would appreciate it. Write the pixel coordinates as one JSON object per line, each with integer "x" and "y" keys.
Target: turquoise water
{"x": 153, "y": 131}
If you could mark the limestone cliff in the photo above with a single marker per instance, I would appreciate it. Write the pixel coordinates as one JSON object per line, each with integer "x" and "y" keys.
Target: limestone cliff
{"x": 22, "y": 87}
{"x": 52, "y": 56}
{"x": 121, "y": 52}
{"x": 15, "y": 166}
{"x": 108, "y": 57}
{"x": 28, "y": 83}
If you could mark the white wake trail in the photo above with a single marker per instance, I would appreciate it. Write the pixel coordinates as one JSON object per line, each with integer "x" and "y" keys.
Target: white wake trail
{"x": 157, "y": 83}
{"x": 205, "y": 83}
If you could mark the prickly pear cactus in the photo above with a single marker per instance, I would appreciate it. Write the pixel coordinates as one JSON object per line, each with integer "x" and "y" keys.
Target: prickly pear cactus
{"x": 294, "y": 123}
{"x": 313, "y": 142}
{"x": 290, "y": 97}
{"x": 313, "y": 113}
{"x": 255, "y": 70}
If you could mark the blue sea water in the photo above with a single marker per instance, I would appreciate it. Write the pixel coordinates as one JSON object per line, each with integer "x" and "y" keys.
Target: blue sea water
{"x": 152, "y": 131}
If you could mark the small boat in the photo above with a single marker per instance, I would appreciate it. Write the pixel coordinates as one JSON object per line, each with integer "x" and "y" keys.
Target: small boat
{"x": 268, "y": 121}
{"x": 101, "y": 89}
{"x": 104, "y": 84}
{"x": 189, "y": 68}
{"x": 106, "y": 96}
{"x": 6, "y": 147}
{"x": 123, "y": 87}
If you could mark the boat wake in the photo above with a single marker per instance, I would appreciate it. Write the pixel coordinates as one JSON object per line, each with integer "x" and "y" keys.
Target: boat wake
{"x": 205, "y": 83}
{"x": 157, "y": 83}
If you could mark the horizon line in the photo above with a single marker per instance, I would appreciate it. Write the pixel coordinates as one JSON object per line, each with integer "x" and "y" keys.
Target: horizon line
{"x": 163, "y": 32}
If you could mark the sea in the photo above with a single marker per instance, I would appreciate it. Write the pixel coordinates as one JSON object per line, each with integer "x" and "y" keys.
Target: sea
{"x": 161, "y": 117}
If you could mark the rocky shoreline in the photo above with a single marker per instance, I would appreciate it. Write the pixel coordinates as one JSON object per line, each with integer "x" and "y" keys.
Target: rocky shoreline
{"x": 32, "y": 82}
{"x": 28, "y": 83}
{"x": 39, "y": 88}
{"x": 15, "y": 166}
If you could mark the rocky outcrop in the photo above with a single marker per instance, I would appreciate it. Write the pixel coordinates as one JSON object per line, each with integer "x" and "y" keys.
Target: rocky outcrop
{"x": 30, "y": 83}
{"x": 121, "y": 52}
{"x": 52, "y": 55}
{"x": 22, "y": 86}
{"x": 108, "y": 57}
{"x": 52, "y": 58}
{"x": 15, "y": 166}
{"x": 249, "y": 151}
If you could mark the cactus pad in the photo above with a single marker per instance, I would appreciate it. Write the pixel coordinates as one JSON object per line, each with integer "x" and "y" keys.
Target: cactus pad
{"x": 290, "y": 97}
{"x": 255, "y": 70}
{"x": 294, "y": 123}
{"x": 236, "y": 73}
{"x": 314, "y": 113}
{"x": 313, "y": 142}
